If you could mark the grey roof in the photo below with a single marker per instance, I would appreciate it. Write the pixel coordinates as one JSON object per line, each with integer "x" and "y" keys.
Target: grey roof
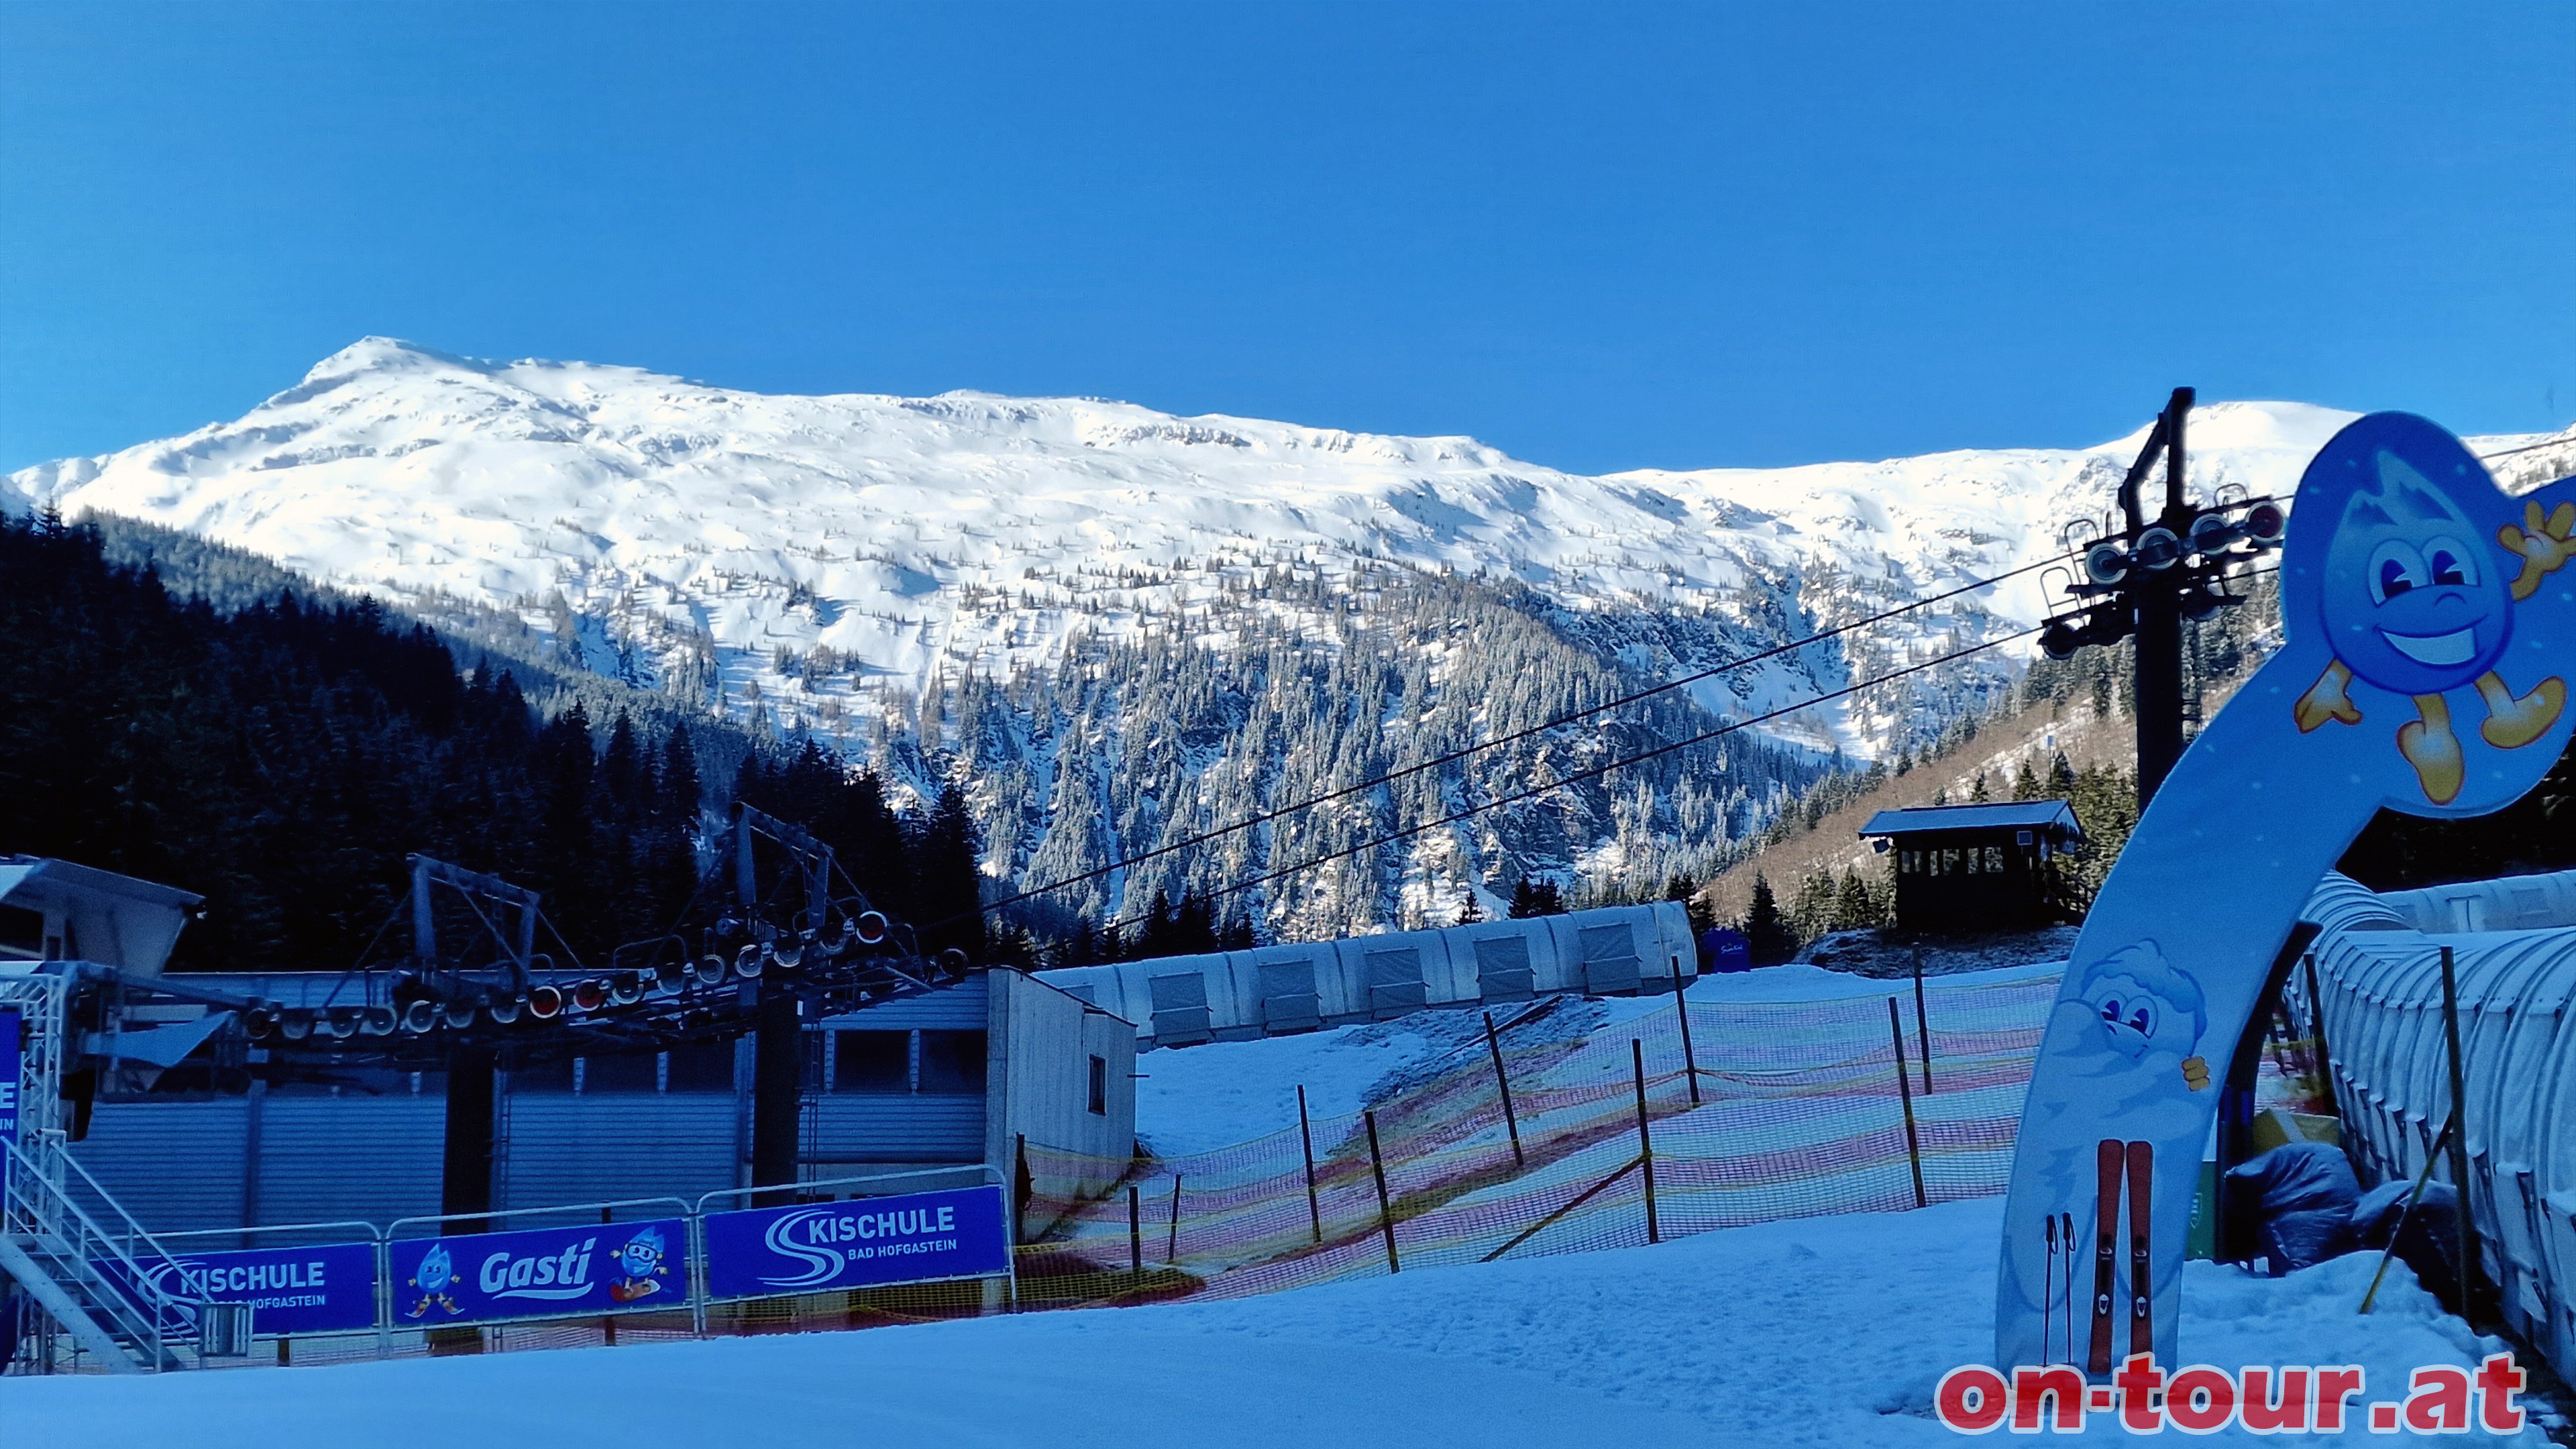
{"x": 2053, "y": 815}
{"x": 18, "y": 870}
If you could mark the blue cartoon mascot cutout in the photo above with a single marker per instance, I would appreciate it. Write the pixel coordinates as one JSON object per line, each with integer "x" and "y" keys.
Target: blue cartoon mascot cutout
{"x": 2428, "y": 624}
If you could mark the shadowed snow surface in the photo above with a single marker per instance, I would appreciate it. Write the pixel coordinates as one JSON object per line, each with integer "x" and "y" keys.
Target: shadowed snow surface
{"x": 1826, "y": 1331}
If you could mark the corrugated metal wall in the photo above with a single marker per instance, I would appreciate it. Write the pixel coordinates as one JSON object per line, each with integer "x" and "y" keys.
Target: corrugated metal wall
{"x": 176, "y": 1166}
{"x": 603, "y": 1147}
{"x": 1043, "y": 1069}
{"x": 183, "y": 1165}
{"x": 370, "y": 1158}
{"x": 188, "y": 1163}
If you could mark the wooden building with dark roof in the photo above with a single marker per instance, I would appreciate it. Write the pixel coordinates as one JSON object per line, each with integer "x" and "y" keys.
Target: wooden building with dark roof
{"x": 1963, "y": 869}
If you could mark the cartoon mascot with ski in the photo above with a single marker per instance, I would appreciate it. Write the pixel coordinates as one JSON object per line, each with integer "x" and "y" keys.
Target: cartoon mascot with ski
{"x": 2427, "y": 619}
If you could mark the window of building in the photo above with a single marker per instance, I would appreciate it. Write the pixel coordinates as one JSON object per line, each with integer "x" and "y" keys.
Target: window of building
{"x": 1100, "y": 1086}
{"x": 1994, "y": 860}
{"x": 872, "y": 1061}
{"x": 952, "y": 1061}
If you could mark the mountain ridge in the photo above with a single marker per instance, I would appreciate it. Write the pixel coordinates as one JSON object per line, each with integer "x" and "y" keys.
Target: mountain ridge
{"x": 1119, "y": 625}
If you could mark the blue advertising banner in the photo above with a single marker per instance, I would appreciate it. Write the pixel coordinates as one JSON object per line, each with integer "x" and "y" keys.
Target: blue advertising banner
{"x": 542, "y": 1273}
{"x": 326, "y": 1289}
{"x": 10, "y": 1066}
{"x": 920, "y": 1237}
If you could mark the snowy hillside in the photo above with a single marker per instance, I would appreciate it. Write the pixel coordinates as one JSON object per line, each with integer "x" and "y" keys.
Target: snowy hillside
{"x": 919, "y": 538}
{"x": 1117, "y": 622}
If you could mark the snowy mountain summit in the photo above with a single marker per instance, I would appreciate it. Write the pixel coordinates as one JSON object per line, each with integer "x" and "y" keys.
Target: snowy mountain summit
{"x": 969, "y": 532}
{"x": 902, "y": 573}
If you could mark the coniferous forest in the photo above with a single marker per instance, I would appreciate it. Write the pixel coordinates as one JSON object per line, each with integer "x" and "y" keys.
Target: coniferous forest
{"x": 281, "y": 759}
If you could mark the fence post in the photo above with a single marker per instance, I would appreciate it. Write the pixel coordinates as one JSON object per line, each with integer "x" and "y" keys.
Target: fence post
{"x": 1172, "y": 1250}
{"x": 1922, "y": 1025}
{"x": 1135, "y": 1232}
{"x": 1306, "y": 1136}
{"x": 1023, "y": 1186}
{"x": 2469, "y": 1250}
{"x": 697, "y": 1225}
{"x": 1385, "y": 1209}
{"x": 384, "y": 1296}
{"x": 1905, "y": 1095}
{"x": 1690, "y": 1059}
{"x": 1645, "y": 1143}
{"x": 608, "y": 1321}
{"x": 1511, "y": 1119}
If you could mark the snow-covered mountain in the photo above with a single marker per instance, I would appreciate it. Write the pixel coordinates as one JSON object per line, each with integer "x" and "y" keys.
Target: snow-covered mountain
{"x": 916, "y": 538}
{"x": 903, "y": 573}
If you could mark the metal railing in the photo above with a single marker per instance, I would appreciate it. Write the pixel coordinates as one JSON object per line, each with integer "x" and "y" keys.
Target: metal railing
{"x": 155, "y": 1262}
{"x": 40, "y": 1217}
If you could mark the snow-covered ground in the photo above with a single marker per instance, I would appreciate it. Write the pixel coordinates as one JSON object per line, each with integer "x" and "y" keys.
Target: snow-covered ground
{"x": 1200, "y": 1098}
{"x": 1824, "y": 1331}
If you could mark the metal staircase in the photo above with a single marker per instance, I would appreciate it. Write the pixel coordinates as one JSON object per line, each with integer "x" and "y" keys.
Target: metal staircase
{"x": 108, "y": 1287}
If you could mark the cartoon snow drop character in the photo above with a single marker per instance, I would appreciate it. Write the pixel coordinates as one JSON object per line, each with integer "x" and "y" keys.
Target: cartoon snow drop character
{"x": 640, "y": 1262}
{"x": 2124, "y": 1044}
{"x": 2416, "y": 603}
{"x": 432, "y": 1277}
{"x": 2135, "y": 1024}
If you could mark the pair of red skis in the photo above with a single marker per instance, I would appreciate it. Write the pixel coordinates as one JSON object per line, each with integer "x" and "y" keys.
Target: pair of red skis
{"x": 2111, "y": 1159}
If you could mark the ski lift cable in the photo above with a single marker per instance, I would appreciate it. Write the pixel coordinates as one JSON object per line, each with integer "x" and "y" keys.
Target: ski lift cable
{"x": 1268, "y": 816}
{"x": 1597, "y": 771}
{"x": 2559, "y": 440}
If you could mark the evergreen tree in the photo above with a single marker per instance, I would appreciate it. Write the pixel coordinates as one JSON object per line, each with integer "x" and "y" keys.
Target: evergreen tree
{"x": 1236, "y": 934}
{"x": 2026, "y": 781}
{"x": 1765, "y": 933}
{"x": 952, "y": 881}
{"x": 1812, "y": 914}
{"x": 1856, "y": 906}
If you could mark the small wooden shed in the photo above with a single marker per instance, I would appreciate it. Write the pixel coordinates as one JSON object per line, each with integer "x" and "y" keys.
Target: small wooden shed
{"x": 1973, "y": 868}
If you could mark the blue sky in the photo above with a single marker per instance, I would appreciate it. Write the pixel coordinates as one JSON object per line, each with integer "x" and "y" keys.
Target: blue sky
{"x": 1600, "y": 236}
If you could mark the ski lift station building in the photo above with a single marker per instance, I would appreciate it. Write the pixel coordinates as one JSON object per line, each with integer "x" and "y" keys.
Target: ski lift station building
{"x": 187, "y": 1133}
{"x": 193, "y": 1129}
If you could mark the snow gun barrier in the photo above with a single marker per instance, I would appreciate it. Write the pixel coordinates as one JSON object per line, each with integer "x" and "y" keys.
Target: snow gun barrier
{"x": 1556, "y": 1132}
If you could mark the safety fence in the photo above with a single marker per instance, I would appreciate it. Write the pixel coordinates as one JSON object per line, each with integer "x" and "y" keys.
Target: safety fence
{"x": 1527, "y": 1142}
{"x": 1552, "y": 1131}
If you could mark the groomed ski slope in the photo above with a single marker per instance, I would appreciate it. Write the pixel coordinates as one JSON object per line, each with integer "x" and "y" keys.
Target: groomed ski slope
{"x": 1197, "y": 1099}
{"x": 1823, "y": 1331}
